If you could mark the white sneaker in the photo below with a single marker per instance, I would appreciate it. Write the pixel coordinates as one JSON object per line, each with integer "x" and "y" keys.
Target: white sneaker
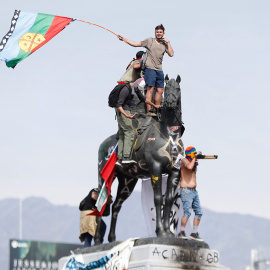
{"x": 118, "y": 163}
{"x": 127, "y": 161}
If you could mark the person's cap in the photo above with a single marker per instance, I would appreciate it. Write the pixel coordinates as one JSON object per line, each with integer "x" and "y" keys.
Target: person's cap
{"x": 140, "y": 84}
{"x": 139, "y": 54}
{"x": 190, "y": 151}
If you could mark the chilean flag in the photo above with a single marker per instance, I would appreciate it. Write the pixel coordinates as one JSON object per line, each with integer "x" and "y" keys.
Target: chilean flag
{"x": 107, "y": 174}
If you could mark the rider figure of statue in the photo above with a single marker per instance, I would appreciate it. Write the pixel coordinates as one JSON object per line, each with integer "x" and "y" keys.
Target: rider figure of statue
{"x": 124, "y": 119}
{"x": 133, "y": 70}
{"x": 189, "y": 194}
{"x": 155, "y": 49}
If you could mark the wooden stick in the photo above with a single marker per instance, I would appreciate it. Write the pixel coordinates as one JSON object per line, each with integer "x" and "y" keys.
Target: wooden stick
{"x": 200, "y": 156}
{"x": 98, "y": 26}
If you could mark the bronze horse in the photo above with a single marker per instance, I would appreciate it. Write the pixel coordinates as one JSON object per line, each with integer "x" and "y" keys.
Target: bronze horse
{"x": 156, "y": 146}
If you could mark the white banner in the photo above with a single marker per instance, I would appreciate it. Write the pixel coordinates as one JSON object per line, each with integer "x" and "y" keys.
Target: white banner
{"x": 149, "y": 210}
{"x": 116, "y": 258}
{"x": 121, "y": 255}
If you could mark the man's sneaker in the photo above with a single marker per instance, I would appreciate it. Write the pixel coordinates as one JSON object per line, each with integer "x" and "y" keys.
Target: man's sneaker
{"x": 195, "y": 236}
{"x": 126, "y": 160}
{"x": 182, "y": 235}
{"x": 150, "y": 113}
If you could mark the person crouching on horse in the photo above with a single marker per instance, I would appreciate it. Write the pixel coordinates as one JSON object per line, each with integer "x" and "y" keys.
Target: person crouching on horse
{"x": 189, "y": 194}
{"x": 133, "y": 70}
{"x": 124, "y": 119}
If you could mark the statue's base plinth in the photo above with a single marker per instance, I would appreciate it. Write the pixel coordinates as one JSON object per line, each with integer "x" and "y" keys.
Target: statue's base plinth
{"x": 160, "y": 253}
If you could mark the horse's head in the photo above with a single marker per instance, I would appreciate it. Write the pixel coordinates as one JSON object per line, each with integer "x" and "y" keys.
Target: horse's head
{"x": 172, "y": 92}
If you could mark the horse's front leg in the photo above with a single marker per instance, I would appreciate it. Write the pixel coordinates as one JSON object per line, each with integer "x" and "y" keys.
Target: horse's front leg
{"x": 125, "y": 188}
{"x": 156, "y": 179}
{"x": 172, "y": 182}
{"x": 97, "y": 237}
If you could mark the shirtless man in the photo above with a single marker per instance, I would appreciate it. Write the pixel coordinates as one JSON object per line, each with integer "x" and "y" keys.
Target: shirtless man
{"x": 189, "y": 194}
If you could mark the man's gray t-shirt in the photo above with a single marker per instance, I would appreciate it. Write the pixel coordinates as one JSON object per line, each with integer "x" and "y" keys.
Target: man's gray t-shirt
{"x": 155, "y": 52}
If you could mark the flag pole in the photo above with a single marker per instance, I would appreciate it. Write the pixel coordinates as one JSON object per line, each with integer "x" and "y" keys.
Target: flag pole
{"x": 98, "y": 26}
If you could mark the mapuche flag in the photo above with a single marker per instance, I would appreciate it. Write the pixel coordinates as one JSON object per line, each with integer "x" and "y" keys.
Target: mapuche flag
{"x": 28, "y": 32}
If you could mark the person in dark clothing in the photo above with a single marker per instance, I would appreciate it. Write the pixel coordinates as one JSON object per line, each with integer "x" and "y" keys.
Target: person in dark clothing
{"x": 88, "y": 223}
{"x": 124, "y": 118}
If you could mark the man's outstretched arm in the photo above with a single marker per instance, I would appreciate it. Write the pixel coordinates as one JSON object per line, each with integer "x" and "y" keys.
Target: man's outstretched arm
{"x": 130, "y": 42}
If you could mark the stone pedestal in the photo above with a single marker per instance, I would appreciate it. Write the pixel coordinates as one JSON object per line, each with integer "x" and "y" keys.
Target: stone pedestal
{"x": 160, "y": 253}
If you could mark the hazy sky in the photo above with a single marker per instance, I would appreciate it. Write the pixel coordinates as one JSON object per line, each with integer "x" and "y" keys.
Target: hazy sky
{"x": 53, "y": 105}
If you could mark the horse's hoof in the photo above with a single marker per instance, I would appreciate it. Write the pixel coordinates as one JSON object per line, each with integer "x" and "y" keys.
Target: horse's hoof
{"x": 97, "y": 242}
{"x": 170, "y": 234}
{"x": 111, "y": 238}
{"x": 161, "y": 233}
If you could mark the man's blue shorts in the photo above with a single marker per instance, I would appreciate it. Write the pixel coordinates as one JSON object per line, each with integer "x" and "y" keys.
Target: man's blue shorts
{"x": 190, "y": 200}
{"x": 154, "y": 77}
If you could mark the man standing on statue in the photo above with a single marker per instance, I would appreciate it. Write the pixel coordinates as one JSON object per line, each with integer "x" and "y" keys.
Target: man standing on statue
{"x": 154, "y": 76}
{"x": 189, "y": 194}
{"x": 124, "y": 119}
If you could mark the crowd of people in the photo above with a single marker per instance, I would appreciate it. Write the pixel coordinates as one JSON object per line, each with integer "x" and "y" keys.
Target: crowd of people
{"x": 133, "y": 83}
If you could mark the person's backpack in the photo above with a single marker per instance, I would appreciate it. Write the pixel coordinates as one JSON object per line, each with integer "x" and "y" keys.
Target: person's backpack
{"x": 143, "y": 59}
{"x": 114, "y": 95}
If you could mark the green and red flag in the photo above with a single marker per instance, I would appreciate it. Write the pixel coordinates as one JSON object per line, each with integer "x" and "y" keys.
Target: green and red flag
{"x": 28, "y": 32}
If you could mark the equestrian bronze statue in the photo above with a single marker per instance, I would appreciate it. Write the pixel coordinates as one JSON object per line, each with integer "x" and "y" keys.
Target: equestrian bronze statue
{"x": 156, "y": 146}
